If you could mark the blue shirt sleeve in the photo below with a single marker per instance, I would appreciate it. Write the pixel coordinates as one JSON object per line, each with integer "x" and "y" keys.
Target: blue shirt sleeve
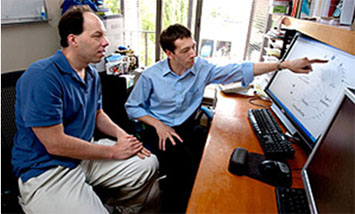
{"x": 41, "y": 105}
{"x": 138, "y": 101}
{"x": 229, "y": 73}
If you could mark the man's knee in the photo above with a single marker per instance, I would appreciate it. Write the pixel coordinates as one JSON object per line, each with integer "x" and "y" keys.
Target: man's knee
{"x": 149, "y": 166}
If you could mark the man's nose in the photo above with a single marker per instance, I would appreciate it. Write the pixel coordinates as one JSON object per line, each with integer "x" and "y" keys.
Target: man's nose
{"x": 105, "y": 42}
{"x": 192, "y": 52}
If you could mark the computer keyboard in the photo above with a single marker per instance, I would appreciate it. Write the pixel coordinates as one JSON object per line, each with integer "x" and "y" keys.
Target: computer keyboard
{"x": 291, "y": 200}
{"x": 270, "y": 136}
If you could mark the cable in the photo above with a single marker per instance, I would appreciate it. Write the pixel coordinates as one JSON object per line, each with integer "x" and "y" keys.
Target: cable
{"x": 251, "y": 101}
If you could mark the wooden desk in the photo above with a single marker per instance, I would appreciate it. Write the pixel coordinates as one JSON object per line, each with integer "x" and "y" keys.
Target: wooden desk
{"x": 216, "y": 190}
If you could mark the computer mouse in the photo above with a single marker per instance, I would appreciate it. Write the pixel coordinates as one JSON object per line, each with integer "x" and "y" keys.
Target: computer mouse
{"x": 273, "y": 168}
{"x": 275, "y": 173}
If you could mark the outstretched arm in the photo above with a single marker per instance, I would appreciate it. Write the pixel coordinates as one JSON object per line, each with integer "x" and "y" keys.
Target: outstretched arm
{"x": 302, "y": 65}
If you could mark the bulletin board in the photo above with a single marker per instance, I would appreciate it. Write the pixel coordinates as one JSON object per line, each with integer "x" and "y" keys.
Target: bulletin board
{"x": 23, "y": 11}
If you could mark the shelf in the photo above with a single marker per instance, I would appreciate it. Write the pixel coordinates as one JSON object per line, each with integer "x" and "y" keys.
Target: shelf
{"x": 336, "y": 36}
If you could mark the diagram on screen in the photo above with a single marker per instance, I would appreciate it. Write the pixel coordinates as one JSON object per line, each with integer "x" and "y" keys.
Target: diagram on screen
{"x": 321, "y": 88}
{"x": 312, "y": 98}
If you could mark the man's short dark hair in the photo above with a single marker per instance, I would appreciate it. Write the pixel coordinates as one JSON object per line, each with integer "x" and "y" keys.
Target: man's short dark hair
{"x": 171, "y": 34}
{"x": 72, "y": 22}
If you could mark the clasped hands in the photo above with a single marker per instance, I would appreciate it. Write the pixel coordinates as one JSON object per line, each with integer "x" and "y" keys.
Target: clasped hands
{"x": 128, "y": 145}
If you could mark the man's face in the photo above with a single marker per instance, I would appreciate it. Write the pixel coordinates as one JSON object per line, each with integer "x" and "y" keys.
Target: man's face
{"x": 92, "y": 41}
{"x": 184, "y": 53}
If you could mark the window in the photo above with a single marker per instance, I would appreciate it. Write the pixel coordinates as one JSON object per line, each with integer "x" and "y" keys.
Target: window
{"x": 224, "y": 34}
{"x": 175, "y": 11}
{"x": 139, "y": 23}
{"x": 259, "y": 25}
{"x": 224, "y": 27}
{"x": 138, "y": 29}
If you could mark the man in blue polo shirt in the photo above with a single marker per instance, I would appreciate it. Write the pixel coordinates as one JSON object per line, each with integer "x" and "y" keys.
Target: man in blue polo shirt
{"x": 167, "y": 96}
{"x": 58, "y": 106}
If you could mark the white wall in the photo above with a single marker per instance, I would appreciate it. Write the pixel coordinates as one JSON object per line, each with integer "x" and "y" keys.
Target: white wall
{"x": 23, "y": 44}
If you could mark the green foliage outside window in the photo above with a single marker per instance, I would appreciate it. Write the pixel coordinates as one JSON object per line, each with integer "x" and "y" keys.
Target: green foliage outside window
{"x": 114, "y": 6}
{"x": 174, "y": 11}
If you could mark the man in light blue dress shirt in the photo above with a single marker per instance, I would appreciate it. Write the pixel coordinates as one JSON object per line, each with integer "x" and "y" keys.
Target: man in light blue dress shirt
{"x": 168, "y": 94}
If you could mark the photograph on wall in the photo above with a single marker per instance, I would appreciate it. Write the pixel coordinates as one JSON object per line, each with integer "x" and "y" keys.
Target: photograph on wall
{"x": 206, "y": 49}
{"x": 223, "y": 48}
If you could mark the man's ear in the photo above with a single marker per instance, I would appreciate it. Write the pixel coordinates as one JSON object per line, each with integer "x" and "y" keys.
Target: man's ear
{"x": 169, "y": 53}
{"x": 71, "y": 38}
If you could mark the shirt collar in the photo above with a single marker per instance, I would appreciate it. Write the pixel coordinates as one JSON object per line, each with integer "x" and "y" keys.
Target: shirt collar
{"x": 62, "y": 62}
{"x": 166, "y": 68}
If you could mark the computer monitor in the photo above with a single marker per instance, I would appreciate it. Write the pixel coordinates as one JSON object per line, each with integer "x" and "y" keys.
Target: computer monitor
{"x": 328, "y": 174}
{"x": 306, "y": 103}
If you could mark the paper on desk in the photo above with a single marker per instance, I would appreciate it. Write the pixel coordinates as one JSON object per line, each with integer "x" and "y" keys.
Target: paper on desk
{"x": 236, "y": 88}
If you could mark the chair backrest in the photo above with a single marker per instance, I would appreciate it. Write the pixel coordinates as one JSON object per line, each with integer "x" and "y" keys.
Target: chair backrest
{"x": 114, "y": 96}
{"x": 9, "y": 188}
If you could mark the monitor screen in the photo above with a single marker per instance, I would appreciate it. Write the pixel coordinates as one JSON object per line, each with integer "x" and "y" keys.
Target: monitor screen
{"x": 307, "y": 101}
{"x": 329, "y": 172}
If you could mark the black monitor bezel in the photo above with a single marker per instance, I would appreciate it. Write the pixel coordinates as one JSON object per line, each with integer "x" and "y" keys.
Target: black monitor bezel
{"x": 348, "y": 94}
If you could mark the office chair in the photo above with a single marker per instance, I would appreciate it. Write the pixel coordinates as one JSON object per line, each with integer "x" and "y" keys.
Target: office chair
{"x": 208, "y": 112}
{"x": 9, "y": 187}
{"x": 114, "y": 96}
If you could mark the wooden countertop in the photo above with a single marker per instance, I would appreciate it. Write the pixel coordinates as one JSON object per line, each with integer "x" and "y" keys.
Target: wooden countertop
{"x": 216, "y": 190}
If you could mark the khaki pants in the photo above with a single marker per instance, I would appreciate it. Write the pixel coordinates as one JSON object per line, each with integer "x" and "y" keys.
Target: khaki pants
{"x": 63, "y": 190}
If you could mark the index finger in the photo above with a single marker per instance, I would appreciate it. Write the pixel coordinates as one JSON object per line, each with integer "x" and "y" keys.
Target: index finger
{"x": 177, "y": 136}
{"x": 145, "y": 152}
{"x": 140, "y": 155}
{"x": 318, "y": 61}
{"x": 131, "y": 137}
{"x": 172, "y": 140}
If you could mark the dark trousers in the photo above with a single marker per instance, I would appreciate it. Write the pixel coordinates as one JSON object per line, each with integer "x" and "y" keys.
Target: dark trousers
{"x": 179, "y": 162}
